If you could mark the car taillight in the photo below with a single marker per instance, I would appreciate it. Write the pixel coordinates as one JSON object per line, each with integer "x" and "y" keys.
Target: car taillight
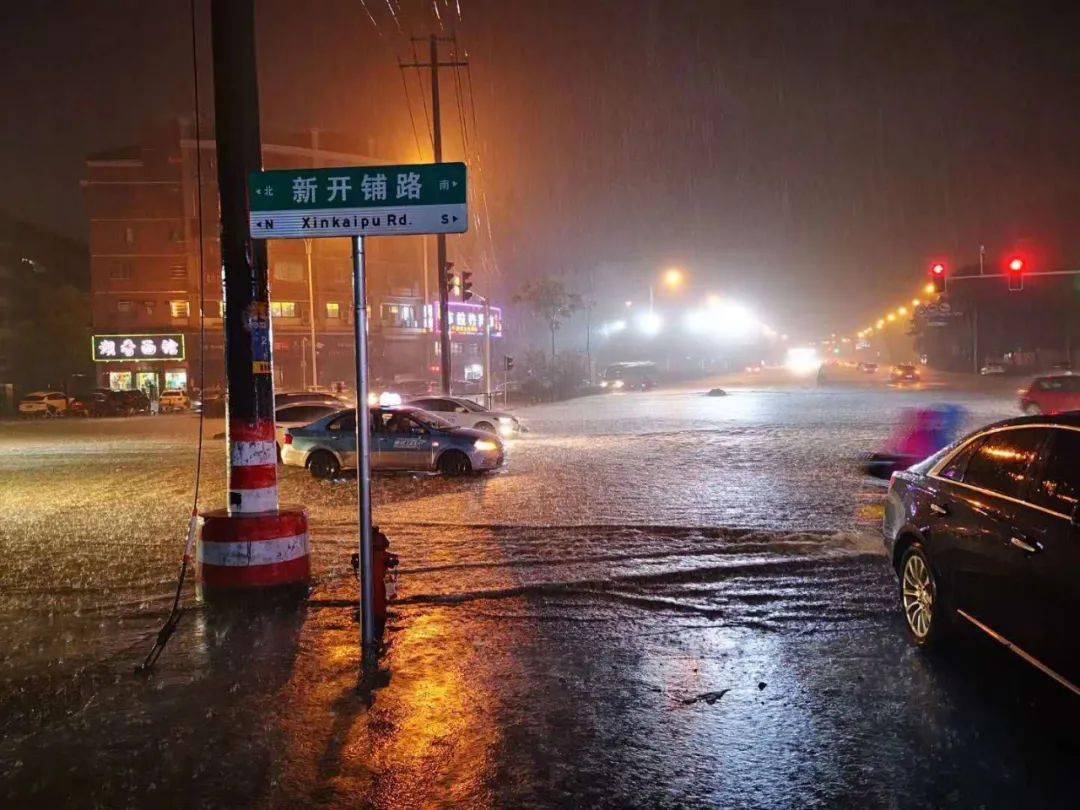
{"x": 288, "y": 438}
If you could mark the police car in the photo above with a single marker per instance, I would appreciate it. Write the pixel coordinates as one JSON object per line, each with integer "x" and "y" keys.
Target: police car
{"x": 403, "y": 438}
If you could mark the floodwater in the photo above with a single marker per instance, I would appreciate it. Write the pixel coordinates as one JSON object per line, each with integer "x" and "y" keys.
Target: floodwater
{"x": 665, "y": 599}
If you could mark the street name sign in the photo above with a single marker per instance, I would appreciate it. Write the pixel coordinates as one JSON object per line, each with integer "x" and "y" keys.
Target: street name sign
{"x": 358, "y": 201}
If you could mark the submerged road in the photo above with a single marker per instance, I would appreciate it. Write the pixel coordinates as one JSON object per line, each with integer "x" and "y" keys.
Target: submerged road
{"x": 665, "y": 599}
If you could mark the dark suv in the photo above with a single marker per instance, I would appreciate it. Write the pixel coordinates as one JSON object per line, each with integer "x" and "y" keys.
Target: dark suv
{"x": 986, "y": 534}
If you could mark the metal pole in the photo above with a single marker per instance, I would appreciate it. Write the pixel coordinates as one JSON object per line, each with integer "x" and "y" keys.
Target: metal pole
{"x": 311, "y": 296}
{"x": 248, "y": 341}
{"x": 440, "y": 239}
{"x": 363, "y": 449}
{"x": 975, "y": 336}
{"x": 488, "y": 401}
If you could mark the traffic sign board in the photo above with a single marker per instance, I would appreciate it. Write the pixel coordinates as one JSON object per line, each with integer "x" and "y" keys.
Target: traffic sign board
{"x": 358, "y": 201}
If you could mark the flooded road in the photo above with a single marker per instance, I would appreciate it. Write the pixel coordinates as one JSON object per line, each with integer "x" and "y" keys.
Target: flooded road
{"x": 665, "y": 599}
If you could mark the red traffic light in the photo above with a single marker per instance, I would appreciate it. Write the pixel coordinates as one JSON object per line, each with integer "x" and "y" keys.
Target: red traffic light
{"x": 938, "y": 269}
{"x": 1016, "y": 265}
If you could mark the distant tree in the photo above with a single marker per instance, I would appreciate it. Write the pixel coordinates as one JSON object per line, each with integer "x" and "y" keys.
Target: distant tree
{"x": 549, "y": 299}
{"x": 50, "y": 335}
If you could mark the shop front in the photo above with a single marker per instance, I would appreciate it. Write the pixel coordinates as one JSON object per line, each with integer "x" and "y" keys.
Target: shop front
{"x": 151, "y": 362}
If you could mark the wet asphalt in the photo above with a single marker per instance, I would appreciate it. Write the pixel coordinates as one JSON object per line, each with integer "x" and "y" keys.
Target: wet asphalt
{"x": 665, "y": 599}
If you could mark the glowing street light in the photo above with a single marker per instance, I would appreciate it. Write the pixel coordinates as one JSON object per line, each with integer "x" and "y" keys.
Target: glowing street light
{"x": 890, "y": 317}
{"x": 902, "y": 311}
{"x": 673, "y": 277}
{"x": 930, "y": 289}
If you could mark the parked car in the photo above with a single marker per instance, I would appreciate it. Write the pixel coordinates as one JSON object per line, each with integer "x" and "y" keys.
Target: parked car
{"x": 1053, "y": 393}
{"x": 321, "y": 397}
{"x": 403, "y": 438}
{"x": 98, "y": 402}
{"x": 173, "y": 399}
{"x": 868, "y": 368}
{"x": 992, "y": 368}
{"x": 44, "y": 403}
{"x": 132, "y": 401}
{"x": 904, "y": 372}
{"x": 466, "y": 413}
{"x": 986, "y": 534}
{"x": 299, "y": 415}
{"x": 1063, "y": 366}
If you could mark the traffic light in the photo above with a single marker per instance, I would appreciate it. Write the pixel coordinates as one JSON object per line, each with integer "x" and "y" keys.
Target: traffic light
{"x": 938, "y": 276}
{"x": 453, "y": 283}
{"x": 1015, "y": 272}
{"x": 466, "y": 285}
{"x": 508, "y": 362}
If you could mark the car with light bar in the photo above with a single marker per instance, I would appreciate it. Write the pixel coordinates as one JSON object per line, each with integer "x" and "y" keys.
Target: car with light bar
{"x": 402, "y": 438}
{"x": 466, "y": 413}
{"x": 985, "y": 535}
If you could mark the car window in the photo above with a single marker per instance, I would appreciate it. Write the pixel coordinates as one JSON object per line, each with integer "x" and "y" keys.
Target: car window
{"x": 957, "y": 465}
{"x": 302, "y": 413}
{"x": 434, "y": 404}
{"x": 431, "y": 420}
{"x": 347, "y": 422}
{"x": 1003, "y": 460}
{"x": 1059, "y": 487}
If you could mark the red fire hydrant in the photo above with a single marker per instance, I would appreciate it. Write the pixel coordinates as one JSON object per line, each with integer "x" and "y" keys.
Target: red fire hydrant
{"x": 385, "y": 577}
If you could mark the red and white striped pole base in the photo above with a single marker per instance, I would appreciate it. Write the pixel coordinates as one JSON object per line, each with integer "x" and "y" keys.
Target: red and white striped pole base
{"x": 253, "y": 545}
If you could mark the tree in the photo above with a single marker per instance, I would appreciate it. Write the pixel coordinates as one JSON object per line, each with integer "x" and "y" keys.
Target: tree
{"x": 551, "y": 301}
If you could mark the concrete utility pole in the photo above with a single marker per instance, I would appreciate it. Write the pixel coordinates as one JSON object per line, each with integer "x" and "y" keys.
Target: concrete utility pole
{"x": 248, "y": 362}
{"x": 252, "y": 546}
{"x": 433, "y": 64}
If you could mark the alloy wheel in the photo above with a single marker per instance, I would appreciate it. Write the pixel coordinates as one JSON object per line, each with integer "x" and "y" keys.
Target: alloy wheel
{"x": 918, "y": 596}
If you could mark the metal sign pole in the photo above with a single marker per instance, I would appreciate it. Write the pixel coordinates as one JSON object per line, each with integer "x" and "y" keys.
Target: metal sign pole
{"x": 363, "y": 448}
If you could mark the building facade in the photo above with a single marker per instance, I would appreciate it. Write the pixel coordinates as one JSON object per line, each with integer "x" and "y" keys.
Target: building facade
{"x": 149, "y": 259}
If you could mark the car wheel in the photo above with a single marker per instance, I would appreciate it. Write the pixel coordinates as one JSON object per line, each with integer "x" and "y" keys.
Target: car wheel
{"x": 324, "y": 465}
{"x": 454, "y": 462}
{"x": 920, "y": 597}
{"x": 485, "y": 426}
{"x": 1031, "y": 409}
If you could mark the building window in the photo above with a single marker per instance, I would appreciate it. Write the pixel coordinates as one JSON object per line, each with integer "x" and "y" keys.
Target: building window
{"x": 120, "y": 272}
{"x": 180, "y": 309}
{"x": 129, "y": 235}
{"x": 123, "y": 306}
{"x": 148, "y": 307}
{"x": 283, "y": 309}
{"x": 289, "y": 271}
{"x": 398, "y": 315}
{"x": 333, "y": 310}
{"x": 178, "y": 271}
{"x": 221, "y": 309}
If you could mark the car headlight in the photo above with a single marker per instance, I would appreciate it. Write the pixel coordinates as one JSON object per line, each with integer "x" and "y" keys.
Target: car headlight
{"x": 486, "y": 445}
{"x": 618, "y": 384}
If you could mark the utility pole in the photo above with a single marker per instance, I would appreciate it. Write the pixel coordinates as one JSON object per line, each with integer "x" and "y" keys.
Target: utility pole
{"x": 433, "y": 64}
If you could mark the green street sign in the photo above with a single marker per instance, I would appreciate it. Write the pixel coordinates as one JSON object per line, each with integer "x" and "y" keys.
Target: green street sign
{"x": 358, "y": 201}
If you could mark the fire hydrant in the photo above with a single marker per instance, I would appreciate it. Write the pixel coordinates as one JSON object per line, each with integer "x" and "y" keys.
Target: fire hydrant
{"x": 385, "y": 577}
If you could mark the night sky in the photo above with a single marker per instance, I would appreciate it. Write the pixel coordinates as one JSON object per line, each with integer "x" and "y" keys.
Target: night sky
{"x": 807, "y": 156}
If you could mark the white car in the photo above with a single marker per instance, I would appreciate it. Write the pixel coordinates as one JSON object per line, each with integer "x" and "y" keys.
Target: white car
{"x": 44, "y": 403}
{"x": 300, "y": 414}
{"x": 173, "y": 399}
{"x": 992, "y": 368}
{"x": 462, "y": 412}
